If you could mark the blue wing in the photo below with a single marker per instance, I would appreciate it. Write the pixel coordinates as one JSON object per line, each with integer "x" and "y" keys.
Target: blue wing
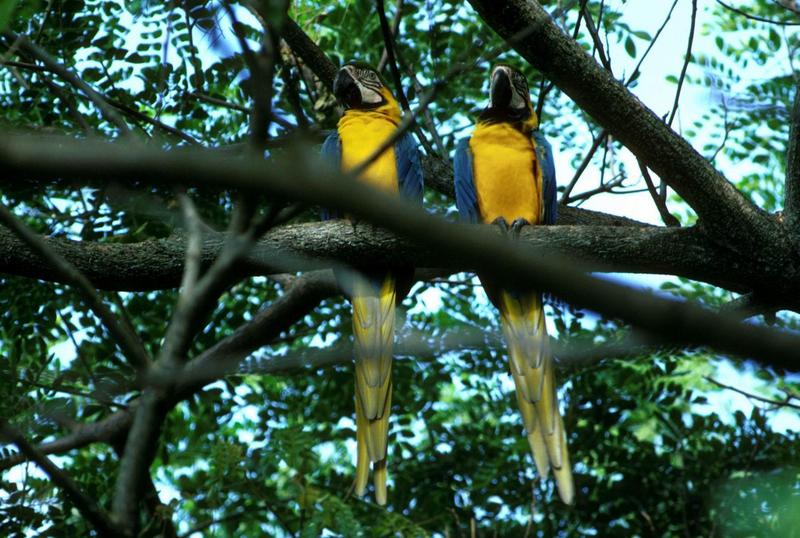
{"x": 409, "y": 168}
{"x": 544, "y": 153}
{"x": 332, "y": 152}
{"x": 466, "y": 197}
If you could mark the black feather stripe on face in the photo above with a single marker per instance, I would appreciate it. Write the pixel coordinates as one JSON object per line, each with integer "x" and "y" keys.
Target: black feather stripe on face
{"x": 368, "y": 78}
{"x": 521, "y": 85}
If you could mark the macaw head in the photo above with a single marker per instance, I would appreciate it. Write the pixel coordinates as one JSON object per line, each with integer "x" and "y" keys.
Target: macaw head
{"x": 509, "y": 97}
{"x": 358, "y": 86}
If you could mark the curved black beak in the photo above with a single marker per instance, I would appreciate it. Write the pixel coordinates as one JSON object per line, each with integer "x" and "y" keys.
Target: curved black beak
{"x": 500, "y": 89}
{"x": 346, "y": 90}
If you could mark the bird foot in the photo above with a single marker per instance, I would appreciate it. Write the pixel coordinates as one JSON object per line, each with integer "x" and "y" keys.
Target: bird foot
{"x": 501, "y": 223}
{"x": 516, "y": 227}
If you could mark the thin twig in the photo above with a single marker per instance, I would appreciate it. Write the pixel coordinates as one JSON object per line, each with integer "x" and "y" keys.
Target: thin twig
{"x": 388, "y": 41}
{"x": 756, "y": 17}
{"x": 686, "y": 61}
{"x": 40, "y": 54}
{"x": 635, "y": 73}
{"x": 779, "y": 403}
{"x": 85, "y": 505}
{"x": 598, "y": 43}
{"x": 398, "y": 17}
{"x": 605, "y": 187}
{"x": 668, "y": 218}
{"x": 219, "y": 102}
{"x": 582, "y": 167}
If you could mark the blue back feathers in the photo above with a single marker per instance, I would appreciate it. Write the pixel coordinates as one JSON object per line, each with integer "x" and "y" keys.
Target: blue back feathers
{"x": 544, "y": 153}
{"x": 466, "y": 196}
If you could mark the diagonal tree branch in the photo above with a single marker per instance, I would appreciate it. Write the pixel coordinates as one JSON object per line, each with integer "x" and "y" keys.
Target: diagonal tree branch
{"x": 732, "y": 218}
{"x": 686, "y": 61}
{"x": 312, "y": 55}
{"x": 302, "y": 296}
{"x": 791, "y": 210}
{"x": 36, "y": 52}
{"x": 668, "y": 218}
{"x": 85, "y": 505}
{"x": 126, "y": 339}
{"x": 389, "y": 43}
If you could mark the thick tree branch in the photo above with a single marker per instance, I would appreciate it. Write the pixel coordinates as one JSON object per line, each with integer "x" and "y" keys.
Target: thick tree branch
{"x": 157, "y": 264}
{"x": 791, "y": 210}
{"x": 122, "y": 334}
{"x": 312, "y": 55}
{"x": 720, "y": 206}
{"x": 295, "y": 176}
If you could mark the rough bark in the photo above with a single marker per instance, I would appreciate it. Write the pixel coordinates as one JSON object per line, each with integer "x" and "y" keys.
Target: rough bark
{"x": 792, "y": 191}
{"x": 158, "y": 263}
{"x": 294, "y": 176}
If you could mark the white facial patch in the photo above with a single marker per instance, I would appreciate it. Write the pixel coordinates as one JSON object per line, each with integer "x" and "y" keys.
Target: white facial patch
{"x": 368, "y": 84}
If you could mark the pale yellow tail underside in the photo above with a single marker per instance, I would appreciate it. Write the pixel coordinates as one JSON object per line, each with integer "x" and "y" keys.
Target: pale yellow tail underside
{"x": 373, "y": 330}
{"x": 532, "y": 369}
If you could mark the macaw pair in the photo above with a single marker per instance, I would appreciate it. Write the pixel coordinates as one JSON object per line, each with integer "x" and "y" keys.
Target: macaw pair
{"x": 504, "y": 175}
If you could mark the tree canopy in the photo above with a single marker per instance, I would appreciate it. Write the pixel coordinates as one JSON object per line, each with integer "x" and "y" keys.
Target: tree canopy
{"x": 175, "y": 352}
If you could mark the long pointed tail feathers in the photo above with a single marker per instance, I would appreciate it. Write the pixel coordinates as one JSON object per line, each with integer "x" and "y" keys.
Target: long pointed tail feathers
{"x": 532, "y": 370}
{"x": 373, "y": 330}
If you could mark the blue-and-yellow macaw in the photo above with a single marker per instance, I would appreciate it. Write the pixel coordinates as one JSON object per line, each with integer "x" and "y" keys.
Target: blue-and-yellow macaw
{"x": 371, "y": 116}
{"x": 504, "y": 173}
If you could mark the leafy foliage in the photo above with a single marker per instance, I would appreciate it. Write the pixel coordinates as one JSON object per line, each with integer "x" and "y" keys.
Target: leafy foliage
{"x": 257, "y": 455}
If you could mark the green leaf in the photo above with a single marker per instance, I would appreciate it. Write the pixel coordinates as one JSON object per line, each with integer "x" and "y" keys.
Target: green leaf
{"x": 7, "y": 8}
{"x": 630, "y": 47}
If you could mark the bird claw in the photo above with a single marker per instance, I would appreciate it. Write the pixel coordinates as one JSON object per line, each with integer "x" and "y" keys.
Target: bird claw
{"x": 516, "y": 227}
{"x": 501, "y": 223}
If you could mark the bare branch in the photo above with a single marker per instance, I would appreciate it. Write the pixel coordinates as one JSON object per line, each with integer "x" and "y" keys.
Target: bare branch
{"x": 668, "y": 218}
{"x": 39, "y": 54}
{"x": 85, "y": 505}
{"x": 686, "y": 61}
{"x": 778, "y": 403}
{"x": 388, "y": 42}
{"x": 598, "y": 43}
{"x": 600, "y": 138}
{"x": 756, "y": 17}
{"x": 398, "y": 17}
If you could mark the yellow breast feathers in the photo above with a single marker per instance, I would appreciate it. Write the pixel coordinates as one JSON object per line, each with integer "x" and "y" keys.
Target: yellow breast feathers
{"x": 362, "y": 132}
{"x": 507, "y": 176}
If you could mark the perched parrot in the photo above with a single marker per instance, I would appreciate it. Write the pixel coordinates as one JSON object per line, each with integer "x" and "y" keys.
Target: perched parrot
{"x": 504, "y": 173}
{"x": 371, "y": 116}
